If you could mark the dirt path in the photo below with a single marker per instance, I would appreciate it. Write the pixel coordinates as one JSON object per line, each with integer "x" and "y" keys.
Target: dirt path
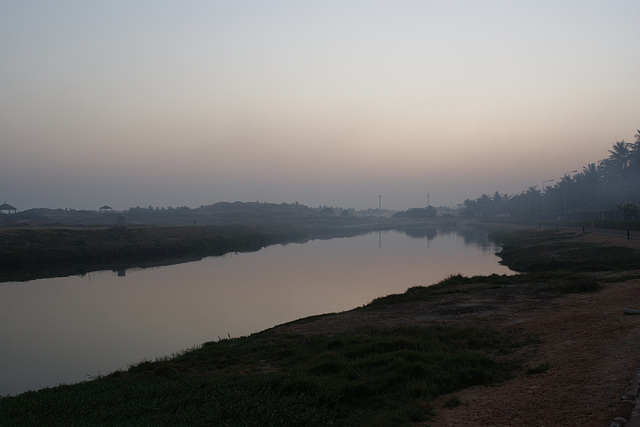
{"x": 590, "y": 346}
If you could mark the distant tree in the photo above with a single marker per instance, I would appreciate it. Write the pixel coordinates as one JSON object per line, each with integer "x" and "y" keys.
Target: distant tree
{"x": 469, "y": 209}
{"x": 629, "y": 210}
{"x": 634, "y": 160}
{"x": 416, "y": 213}
{"x": 533, "y": 191}
{"x": 589, "y": 183}
{"x": 591, "y": 172}
{"x": 618, "y": 161}
{"x": 600, "y": 186}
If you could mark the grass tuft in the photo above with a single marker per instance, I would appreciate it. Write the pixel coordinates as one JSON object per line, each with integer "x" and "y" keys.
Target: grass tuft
{"x": 452, "y": 402}
{"x": 540, "y": 369}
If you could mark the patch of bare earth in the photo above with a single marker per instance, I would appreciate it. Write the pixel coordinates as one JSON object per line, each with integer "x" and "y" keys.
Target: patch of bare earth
{"x": 590, "y": 346}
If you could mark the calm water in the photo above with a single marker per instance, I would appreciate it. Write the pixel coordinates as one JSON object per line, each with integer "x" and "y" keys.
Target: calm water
{"x": 66, "y": 330}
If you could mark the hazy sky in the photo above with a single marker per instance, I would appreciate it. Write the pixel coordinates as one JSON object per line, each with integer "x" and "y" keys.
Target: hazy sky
{"x": 171, "y": 103}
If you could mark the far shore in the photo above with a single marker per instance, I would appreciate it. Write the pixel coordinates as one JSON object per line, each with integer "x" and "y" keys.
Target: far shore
{"x": 46, "y": 251}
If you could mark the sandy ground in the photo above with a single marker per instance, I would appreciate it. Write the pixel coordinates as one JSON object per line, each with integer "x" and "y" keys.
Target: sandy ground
{"x": 590, "y": 346}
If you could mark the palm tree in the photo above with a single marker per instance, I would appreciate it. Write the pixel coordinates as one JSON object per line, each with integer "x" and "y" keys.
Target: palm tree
{"x": 590, "y": 172}
{"x": 634, "y": 159}
{"x": 533, "y": 191}
{"x": 620, "y": 151}
{"x": 618, "y": 160}
{"x": 589, "y": 181}
{"x": 533, "y": 195}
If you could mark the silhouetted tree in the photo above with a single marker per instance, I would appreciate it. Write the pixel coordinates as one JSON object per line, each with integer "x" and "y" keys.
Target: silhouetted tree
{"x": 629, "y": 210}
{"x": 428, "y": 212}
{"x": 599, "y": 187}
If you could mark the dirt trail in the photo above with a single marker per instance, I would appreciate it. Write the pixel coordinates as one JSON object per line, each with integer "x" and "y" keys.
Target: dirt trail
{"x": 590, "y": 346}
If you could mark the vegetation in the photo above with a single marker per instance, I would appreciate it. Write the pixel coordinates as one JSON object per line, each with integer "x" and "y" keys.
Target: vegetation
{"x": 552, "y": 283}
{"x": 365, "y": 377}
{"x": 49, "y": 243}
{"x": 542, "y": 251}
{"x": 428, "y": 212}
{"x": 452, "y": 402}
{"x": 222, "y": 213}
{"x": 540, "y": 369}
{"x": 604, "y": 190}
{"x": 27, "y": 254}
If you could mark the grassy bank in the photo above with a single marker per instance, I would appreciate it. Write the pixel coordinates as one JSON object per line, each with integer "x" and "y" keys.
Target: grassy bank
{"x": 549, "y": 250}
{"x": 29, "y": 254}
{"x": 364, "y": 376}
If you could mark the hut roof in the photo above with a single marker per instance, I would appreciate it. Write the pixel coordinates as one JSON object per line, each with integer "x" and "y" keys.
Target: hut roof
{"x": 106, "y": 207}
{"x": 7, "y": 207}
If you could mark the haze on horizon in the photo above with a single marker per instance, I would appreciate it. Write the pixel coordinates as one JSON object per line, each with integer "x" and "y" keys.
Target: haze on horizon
{"x": 167, "y": 103}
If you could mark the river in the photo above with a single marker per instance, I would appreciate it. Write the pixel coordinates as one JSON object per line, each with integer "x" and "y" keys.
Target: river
{"x": 66, "y": 330}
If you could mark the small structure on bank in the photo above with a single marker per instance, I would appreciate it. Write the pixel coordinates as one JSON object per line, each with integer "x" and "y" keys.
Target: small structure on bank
{"x": 106, "y": 208}
{"x": 7, "y": 207}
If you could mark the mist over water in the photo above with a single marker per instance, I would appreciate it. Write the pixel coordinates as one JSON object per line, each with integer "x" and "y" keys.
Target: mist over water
{"x": 65, "y": 330}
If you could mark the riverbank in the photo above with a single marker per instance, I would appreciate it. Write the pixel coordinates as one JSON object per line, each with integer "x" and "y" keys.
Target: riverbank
{"x": 404, "y": 358}
{"x": 583, "y": 350}
{"x": 43, "y": 252}
{"x": 27, "y": 254}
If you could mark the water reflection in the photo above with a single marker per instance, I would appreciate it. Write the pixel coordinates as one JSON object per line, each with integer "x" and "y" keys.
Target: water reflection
{"x": 471, "y": 237}
{"x": 68, "y": 329}
{"x": 421, "y": 233}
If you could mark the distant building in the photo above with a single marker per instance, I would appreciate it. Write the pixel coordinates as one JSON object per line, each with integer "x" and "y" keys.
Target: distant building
{"x": 7, "y": 207}
{"x": 106, "y": 208}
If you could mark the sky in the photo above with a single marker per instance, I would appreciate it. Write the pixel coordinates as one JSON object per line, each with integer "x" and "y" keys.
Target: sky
{"x": 333, "y": 102}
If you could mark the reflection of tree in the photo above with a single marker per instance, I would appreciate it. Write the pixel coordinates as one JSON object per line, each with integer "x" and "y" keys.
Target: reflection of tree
{"x": 470, "y": 236}
{"x": 421, "y": 232}
{"x": 477, "y": 238}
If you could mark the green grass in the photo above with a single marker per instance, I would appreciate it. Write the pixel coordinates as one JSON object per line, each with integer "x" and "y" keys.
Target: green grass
{"x": 534, "y": 251}
{"x": 552, "y": 283}
{"x": 540, "y": 369}
{"x": 452, "y": 402}
{"x": 367, "y": 377}
{"x": 620, "y": 278}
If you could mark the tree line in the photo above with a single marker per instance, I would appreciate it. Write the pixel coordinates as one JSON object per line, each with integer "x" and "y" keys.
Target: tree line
{"x": 606, "y": 189}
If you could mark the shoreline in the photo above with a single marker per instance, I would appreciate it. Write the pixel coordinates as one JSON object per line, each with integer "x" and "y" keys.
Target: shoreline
{"x": 28, "y": 254}
{"x": 535, "y": 306}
